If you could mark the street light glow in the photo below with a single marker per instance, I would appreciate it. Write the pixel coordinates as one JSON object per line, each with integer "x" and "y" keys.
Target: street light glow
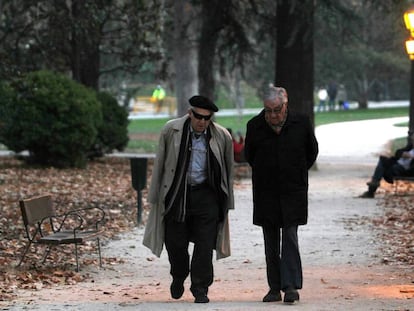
{"x": 409, "y": 21}
{"x": 409, "y": 46}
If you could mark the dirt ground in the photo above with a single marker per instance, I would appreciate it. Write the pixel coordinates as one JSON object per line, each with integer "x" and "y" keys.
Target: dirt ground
{"x": 345, "y": 261}
{"x": 344, "y": 267}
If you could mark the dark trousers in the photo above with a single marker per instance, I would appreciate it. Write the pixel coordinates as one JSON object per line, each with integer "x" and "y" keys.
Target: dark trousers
{"x": 200, "y": 227}
{"x": 387, "y": 168}
{"x": 283, "y": 263}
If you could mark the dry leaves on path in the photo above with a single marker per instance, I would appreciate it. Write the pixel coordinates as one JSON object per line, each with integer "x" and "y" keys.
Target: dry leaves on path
{"x": 105, "y": 183}
{"x": 396, "y": 226}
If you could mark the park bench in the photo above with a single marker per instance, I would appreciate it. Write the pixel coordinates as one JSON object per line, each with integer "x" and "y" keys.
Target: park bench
{"x": 44, "y": 226}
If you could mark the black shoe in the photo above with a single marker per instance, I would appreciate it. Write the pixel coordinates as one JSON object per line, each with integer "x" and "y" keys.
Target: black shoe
{"x": 291, "y": 296}
{"x": 177, "y": 289}
{"x": 202, "y": 298}
{"x": 373, "y": 183}
{"x": 272, "y": 296}
{"x": 367, "y": 195}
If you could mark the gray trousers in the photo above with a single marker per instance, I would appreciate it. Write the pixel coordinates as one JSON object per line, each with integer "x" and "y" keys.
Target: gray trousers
{"x": 283, "y": 263}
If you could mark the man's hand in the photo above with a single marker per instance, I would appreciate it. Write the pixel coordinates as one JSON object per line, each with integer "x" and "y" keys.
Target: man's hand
{"x": 406, "y": 155}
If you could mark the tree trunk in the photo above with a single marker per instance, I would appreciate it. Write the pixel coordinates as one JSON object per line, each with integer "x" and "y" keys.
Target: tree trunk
{"x": 362, "y": 102}
{"x": 75, "y": 44}
{"x": 213, "y": 18}
{"x": 90, "y": 67}
{"x": 185, "y": 55}
{"x": 411, "y": 109}
{"x": 206, "y": 53}
{"x": 85, "y": 58}
{"x": 294, "y": 53}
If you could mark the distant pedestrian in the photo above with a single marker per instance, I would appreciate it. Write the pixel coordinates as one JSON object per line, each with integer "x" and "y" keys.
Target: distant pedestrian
{"x": 281, "y": 147}
{"x": 322, "y": 96}
{"x": 342, "y": 97}
{"x": 190, "y": 194}
{"x": 238, "y": 146}
{"x": 332, "y": 93}
{"x": 158, "y": 96}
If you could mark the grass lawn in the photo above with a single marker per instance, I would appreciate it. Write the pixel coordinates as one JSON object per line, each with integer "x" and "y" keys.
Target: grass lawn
{"x": 144, "y": 133}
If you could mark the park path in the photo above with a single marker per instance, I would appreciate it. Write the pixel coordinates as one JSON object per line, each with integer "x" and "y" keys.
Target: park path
{"x": 341, "y": 253}
{"x": 358, "y": 141}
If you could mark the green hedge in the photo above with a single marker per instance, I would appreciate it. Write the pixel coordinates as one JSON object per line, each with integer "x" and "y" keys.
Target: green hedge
{"x": 51, "y": 116}
{"x": 113, "y": 132}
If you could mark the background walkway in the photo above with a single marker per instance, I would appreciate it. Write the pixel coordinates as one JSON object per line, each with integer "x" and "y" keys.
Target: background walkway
{"x": 358, "y": 141}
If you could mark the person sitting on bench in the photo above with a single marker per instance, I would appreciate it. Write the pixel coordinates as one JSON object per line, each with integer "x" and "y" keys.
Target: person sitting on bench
{"x": 401, "y": 164}
{"x": 238, "y": 147}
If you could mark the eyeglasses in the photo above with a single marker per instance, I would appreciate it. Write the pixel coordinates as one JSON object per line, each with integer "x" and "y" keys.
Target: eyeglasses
{"x": 275, "y": 111}
{"x": 201, "y": 116}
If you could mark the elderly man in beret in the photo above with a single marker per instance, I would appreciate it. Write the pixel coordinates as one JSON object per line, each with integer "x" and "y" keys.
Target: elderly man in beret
{"x": 190, "y": 194}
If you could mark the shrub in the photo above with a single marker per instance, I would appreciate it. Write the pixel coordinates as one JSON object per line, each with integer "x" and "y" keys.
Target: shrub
{"x": 113, "y": 133}
{"x": 6, "y": 104}
{"x": 52, "y": 117}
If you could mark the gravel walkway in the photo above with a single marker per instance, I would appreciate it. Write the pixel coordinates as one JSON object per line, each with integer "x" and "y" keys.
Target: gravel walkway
{"x": 342, "y": 262}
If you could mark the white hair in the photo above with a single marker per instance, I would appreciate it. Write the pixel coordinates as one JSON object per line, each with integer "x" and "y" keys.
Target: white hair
{"x": 274, "y": 92}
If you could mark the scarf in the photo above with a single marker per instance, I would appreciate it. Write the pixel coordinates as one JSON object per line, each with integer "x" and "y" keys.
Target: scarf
{"x": 177, "y": 197}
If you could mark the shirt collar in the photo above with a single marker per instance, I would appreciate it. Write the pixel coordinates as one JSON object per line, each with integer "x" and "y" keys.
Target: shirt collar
{"x": 193, "y": 132}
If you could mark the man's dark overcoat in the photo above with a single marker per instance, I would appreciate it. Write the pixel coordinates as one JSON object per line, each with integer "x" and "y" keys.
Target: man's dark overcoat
{"x": 280, "y": 164}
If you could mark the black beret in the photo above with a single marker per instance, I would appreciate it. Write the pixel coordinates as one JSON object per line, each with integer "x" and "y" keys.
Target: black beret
{"x": 202, "y": 102}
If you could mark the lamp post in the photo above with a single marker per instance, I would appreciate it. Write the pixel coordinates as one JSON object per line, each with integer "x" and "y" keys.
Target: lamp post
{"x": 409, "y": 45}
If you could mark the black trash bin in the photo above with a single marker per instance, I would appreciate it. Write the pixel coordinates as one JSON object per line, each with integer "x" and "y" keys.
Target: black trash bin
{"x": 139, "y": 181}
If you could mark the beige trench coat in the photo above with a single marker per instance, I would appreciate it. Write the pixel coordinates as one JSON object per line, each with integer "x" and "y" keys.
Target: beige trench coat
{"x": 163, "y": 176}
